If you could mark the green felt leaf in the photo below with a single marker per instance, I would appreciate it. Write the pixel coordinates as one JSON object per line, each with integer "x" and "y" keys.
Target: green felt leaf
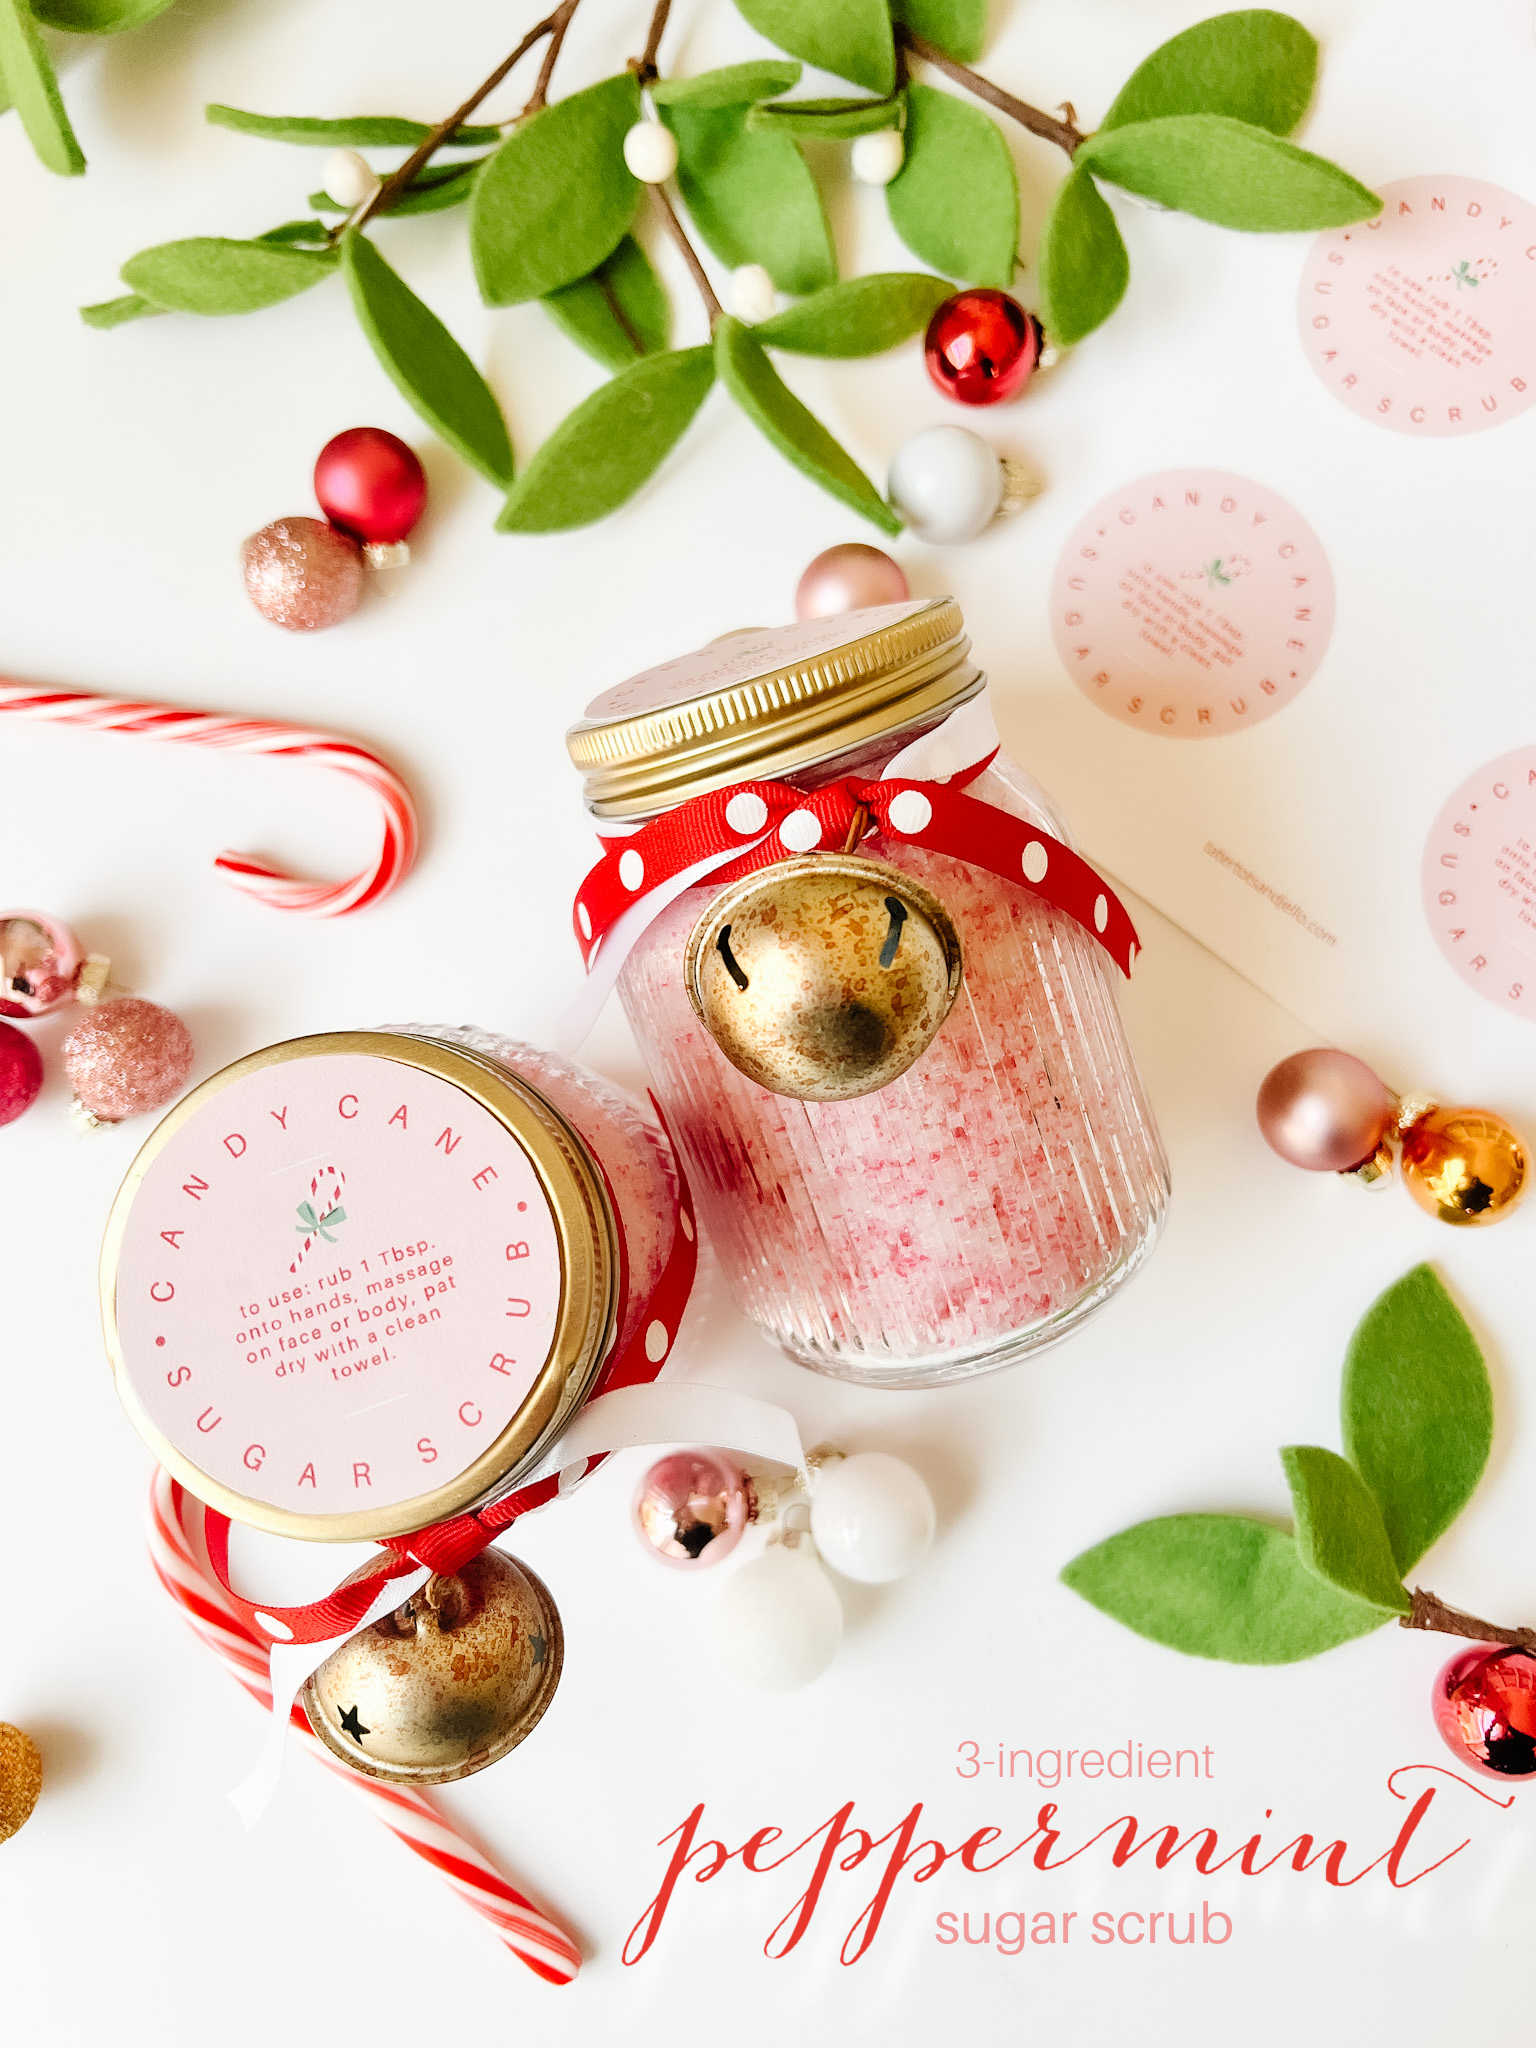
{"x": 350, "y": 131}
{"x": 826, "y": 120}
{"x": 1082, "y": 263}
{"x": 850, "y": 38}
{"x": 556, "y": 197}
{"x": 752, "y": 197}
{"x": 959, "y": 27}
{"x": 437, "y": 188}
{"x": 620, "y": 312}
{"x": 300, "y": 231}
{"x": 27, "y": 74}
{"x": 605, "y": 450}
{"x": 860, "y": 317}
{"x": 1340, "y": 1534}
{"x": 955, "y": 200}
{"x": 735, "y": 85}
{"x": 97, "y": 17}
{"x": 212, "y": 275}
{"x": 1229, "y": 172}
{"x": 118, "y": 312}
{"x": 1417, "y": 1411}
{"x": 429, "y": 369}
{"x": 1255, "y": 65}
{"x": 799, "y": 436}
{"x": 1220, "y": 1586}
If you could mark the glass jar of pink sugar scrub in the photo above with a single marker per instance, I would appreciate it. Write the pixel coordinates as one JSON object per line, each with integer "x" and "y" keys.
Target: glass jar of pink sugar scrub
{"x": 358, "y": 1283}
{"x": 981, "y": 1204}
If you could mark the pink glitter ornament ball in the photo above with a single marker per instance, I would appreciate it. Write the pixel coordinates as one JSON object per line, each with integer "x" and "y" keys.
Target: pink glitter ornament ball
{"x": 126, "y": 1057}
{"x": 21, "y": 1073}
{"x": 302, "y": 574}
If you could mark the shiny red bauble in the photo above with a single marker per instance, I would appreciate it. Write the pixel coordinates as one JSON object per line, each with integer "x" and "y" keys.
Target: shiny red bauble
{"x": 981, "y": 346}
{"x": 21, "y": 1073}
{"x": 370, "y": 483}
{"x": 1485, "y": 1707}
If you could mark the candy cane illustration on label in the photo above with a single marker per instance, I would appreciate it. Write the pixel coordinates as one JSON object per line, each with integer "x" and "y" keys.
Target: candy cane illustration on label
{"x": 319, "y": 1215}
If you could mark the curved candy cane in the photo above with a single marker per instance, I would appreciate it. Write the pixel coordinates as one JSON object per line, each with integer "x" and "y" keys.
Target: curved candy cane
{"x": 284, "y": 891}
{"x": 321, "y": 1212}
{"x": 174, "y": 1527}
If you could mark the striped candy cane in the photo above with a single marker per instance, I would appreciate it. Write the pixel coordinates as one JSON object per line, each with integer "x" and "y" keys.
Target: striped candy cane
{"x": 175, "y": 1526}
{"x": 284, "y": 891}
{"x": 322, "y": 1208}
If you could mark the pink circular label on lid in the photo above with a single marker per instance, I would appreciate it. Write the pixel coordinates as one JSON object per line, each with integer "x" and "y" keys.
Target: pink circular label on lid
{"x": 1424, "y": 319}
{"x": 1479, "y": 879}
{"x": 1192, "y": 603}
{"x": 336, "y": 1284}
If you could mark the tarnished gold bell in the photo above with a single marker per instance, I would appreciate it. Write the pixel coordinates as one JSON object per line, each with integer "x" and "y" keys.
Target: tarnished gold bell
{"x": 448, "y": 1683}
{"x": 824, "y": 977}
{"x": 1464, "y": 1165}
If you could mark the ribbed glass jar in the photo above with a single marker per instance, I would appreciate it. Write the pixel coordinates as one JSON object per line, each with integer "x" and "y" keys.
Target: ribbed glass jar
{"x": 970, "y": 1212}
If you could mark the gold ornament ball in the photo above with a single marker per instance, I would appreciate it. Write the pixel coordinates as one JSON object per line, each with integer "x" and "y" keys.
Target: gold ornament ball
{"x": 21, "y": 1779}
{"x": 448, "y": 1683}
{"x": 1466, "y": 1166}
{"x": 826, "y": 977}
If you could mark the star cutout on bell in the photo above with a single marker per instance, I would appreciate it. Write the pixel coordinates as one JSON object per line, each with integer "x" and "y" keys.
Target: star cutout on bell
{"x": 353, "y": 1724}
{"x": 538, "y": 1648}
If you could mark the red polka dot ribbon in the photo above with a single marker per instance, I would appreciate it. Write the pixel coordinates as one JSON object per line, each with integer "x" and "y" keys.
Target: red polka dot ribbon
{"x": 735, "y": 831}
{"x": 449, "y": 1545}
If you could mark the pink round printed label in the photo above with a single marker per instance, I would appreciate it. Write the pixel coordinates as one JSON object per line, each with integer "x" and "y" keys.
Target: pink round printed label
{"x": 1192, "y": 603}
{"x": 336, "y": 1284}
{"x": 1424, "y": 319}
{"x": 1480, "y": 881}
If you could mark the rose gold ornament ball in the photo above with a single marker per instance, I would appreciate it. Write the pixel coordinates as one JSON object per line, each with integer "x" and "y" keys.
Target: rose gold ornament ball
{"x": 846, "y": 578}
{"x": 126, "y": 1057}
{"x": 1324, "y": 1110}
{"x": 303, "y": 574}
{"x": 692, "y": 1506}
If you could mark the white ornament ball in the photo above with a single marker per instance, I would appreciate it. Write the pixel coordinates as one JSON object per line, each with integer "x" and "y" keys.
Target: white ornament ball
{"x": 875, "y": 159}
{"x": 752, "y": 294}
{"x": 349, "y": 178}
{"x": 779, "y": 1620}
{"x": 650, "y": 152}
{"x": 947, "y": 484}
{"x": 871, "y": 1517}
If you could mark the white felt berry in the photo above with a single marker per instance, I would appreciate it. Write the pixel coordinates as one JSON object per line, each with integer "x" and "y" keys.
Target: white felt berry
{"x": 349, "y": 178}
{"x": 650, "y": 152}
{"x": 875, "y": 159}
{"x": 753, "y": 297}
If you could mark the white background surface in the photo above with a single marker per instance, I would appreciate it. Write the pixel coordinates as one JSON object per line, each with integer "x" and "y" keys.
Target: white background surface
{"x": 134, "y": 1908}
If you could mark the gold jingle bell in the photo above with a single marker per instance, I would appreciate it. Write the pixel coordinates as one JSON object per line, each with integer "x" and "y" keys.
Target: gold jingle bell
{"x": 448, "y": 1683}
{"x": 21, "y": 1779}
{"x": 824, "y": 977}
{"x": 1464, "y": 1165}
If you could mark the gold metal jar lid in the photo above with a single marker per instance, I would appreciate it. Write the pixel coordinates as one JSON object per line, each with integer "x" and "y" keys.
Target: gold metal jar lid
{"x": 760, "y": 703}
{"x": 356, "y": 1283}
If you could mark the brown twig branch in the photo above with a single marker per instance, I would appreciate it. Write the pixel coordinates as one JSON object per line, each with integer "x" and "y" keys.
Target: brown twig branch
{"x": 690, "y": 255}
{"x": 559, "y": 23}
{"x": 644, "y": 66}
{"x": 1429, "y": 1611}
{"x": 553, "y": 26}
{"x": 1065, "y": 133}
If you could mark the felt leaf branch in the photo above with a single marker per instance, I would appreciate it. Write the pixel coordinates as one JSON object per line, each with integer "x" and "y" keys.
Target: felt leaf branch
{"x": 1417, "y": 1414}
{"x": 556, "y": 215}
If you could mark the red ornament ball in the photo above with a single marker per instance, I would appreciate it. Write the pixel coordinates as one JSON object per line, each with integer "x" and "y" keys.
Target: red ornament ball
{"x": 1485, "y": 1707}
{"x": 126, "y": 1057}
{"x": 21, "y": 1073}
{"x": 370, "y": 484}
{"x": 981, "y": 346}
